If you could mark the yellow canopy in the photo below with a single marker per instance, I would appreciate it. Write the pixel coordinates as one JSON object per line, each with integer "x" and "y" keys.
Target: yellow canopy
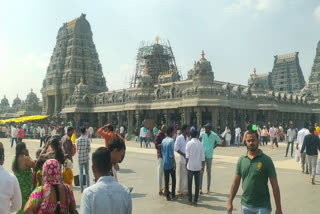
{"x": 24, "y": 119}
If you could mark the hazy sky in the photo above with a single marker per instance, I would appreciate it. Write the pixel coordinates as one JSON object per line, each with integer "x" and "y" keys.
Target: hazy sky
{"x": 236, "y": 35}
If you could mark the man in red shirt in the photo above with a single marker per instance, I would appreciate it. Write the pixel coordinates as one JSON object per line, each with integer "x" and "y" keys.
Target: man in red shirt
{"x": 20, "y": 134}
{"x": 107, "y": 132}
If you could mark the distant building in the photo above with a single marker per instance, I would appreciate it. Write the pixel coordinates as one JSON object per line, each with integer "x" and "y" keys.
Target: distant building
{"x": 314, "y": 79}
{"x": 73, "y": 57}
{"x": 286, "y": 74}
{"x": 74, "y": 89}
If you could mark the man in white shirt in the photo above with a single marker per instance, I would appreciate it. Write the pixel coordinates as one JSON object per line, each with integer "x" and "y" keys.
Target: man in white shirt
{"x": 143, "y": 136}
{"x": 195, "y": 164}
{"x": 10, "y": 194}
{"x": 105, "y": 196}
{"x": 14, "y": 134}
{"x": 301, "y": 134}
{"x": 291, "y": 135}
{"x": 122, "y": 132}
{"x": 42, "y": 135}
{"x": 180, "y": 148}
{"x": 237, "y": 136}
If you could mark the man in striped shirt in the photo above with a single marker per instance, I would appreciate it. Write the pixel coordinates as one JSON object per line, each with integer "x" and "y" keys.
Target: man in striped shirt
{"x": 83, "y": 150}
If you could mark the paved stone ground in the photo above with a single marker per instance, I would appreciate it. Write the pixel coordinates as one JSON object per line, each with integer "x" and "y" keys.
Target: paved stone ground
{"x": 139, "y": 171}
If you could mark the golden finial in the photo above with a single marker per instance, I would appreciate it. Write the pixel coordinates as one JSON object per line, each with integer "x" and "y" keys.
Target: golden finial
{"x": 145, "y": 69}
{"x": 202, "y": 54}
{"x": 157, "y": 39}
{"x": 305, "y": 84}
{"x": 195, "y": 65}
{"x": 254, "y": 71}
{"x": 81, "y": 80}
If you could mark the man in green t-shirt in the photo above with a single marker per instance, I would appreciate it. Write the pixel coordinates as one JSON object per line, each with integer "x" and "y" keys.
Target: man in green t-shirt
{"x": 254, "y": 169}
{"x": 210, "y": 141}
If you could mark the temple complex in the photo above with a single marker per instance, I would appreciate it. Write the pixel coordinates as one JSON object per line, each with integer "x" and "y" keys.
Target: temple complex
{"x": 75, "y": 89}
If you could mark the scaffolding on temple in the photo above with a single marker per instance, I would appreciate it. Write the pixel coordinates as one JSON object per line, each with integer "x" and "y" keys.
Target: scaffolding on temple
{"x": 158, "y": 58}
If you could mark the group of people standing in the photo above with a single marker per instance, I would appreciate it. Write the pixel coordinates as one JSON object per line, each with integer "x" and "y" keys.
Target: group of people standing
{"x": 195, "y": 155}
{"x": 45, "y": 185}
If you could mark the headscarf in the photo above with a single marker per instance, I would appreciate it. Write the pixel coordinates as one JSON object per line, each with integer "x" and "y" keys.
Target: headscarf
{"x": 69, "y": 164}
{"x": 50, "y": 176}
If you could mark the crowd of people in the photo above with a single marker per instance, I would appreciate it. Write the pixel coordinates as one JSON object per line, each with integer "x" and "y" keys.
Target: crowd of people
{"x": 45, "y": 185}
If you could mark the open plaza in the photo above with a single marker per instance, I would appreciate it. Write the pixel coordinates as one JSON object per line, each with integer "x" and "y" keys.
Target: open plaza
{"x": 138, "y": 170}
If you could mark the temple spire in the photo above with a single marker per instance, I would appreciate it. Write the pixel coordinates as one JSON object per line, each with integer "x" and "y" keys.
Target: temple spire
{"x": 202, "y": 54}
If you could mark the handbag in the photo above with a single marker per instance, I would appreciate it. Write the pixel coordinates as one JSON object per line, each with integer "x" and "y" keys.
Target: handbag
{"x": 297, "y": 155}
{"x": 77, "y": 180}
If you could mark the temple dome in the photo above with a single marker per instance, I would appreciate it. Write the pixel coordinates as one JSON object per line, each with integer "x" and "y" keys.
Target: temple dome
{"x": 4, "y": 101}
{"x": 16, "y": 101}
{"x": 32, "y": 97}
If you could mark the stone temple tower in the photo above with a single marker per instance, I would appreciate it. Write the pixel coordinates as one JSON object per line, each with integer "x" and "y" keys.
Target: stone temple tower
{"x": 314, "y": 79}
{"x": 286, "y": 74}
{"x": 73, "y": 57}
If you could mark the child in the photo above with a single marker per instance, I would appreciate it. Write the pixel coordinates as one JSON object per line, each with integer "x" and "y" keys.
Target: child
{"x": 38, "y": 171}
{"x": 67, "y": 173}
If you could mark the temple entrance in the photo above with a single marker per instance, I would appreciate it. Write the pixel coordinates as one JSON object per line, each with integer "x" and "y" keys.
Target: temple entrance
{"x": 51, "y": 105}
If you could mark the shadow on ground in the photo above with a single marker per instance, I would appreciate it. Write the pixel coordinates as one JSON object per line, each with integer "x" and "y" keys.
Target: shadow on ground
{"x": 138, "y": 195}
{"x": 126, "y": 171}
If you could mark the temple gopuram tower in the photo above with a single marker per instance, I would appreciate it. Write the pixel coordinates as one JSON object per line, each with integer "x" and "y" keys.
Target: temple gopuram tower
{"x": 160, "y": 61}
{"x": 73, "y": 57}
{"x": 314, "y": 79}
{"x": 286, "y": 74}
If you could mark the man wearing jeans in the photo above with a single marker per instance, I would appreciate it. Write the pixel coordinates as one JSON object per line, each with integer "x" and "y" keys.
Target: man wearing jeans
{"x": 237, "y": 136}
{"x": 300, "y": 138}
{"x": 14, "y": 133}
{"x": 169, "y": 164}
{"x": 312, "y": 144}
{"x": 83, "y": 149}
{"x": 195, "y": 164}
{"x": 291, "y": 134}
{"x": 159, "y": 138}
{"x": 210, "y": 141}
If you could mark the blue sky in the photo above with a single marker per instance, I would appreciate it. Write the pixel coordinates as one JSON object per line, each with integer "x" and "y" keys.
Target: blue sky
{"x": 236, "y": 35}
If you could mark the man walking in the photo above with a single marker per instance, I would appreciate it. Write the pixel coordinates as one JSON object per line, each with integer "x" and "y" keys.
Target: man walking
{"x": 83, "y": 150}
{"x": 169, "y": 164}
{"x": 10, "y": 194}
{"x": 159, "y": 138}
{"x": 20, "y": 134}
{"x": 67, "y": 143}
{"x": 195, "y": 164}
{"x": 180, "y": 148}
{"x": 237, "y": 133}
{"x": 143, "y": 136}
{"x": 264, "y": 135}
{"x": 300, "y": 138}
{"x": 14, "y": 136}
{"x": 42, "y": 136}
{"x": 210, "y": 141}
{"x": 312, "y": 144}
{"x": 105, "y": 196}
{"x": 254, "y": 169}
{"x": 291, "y": 135}
{"x": 273, "y": 132}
